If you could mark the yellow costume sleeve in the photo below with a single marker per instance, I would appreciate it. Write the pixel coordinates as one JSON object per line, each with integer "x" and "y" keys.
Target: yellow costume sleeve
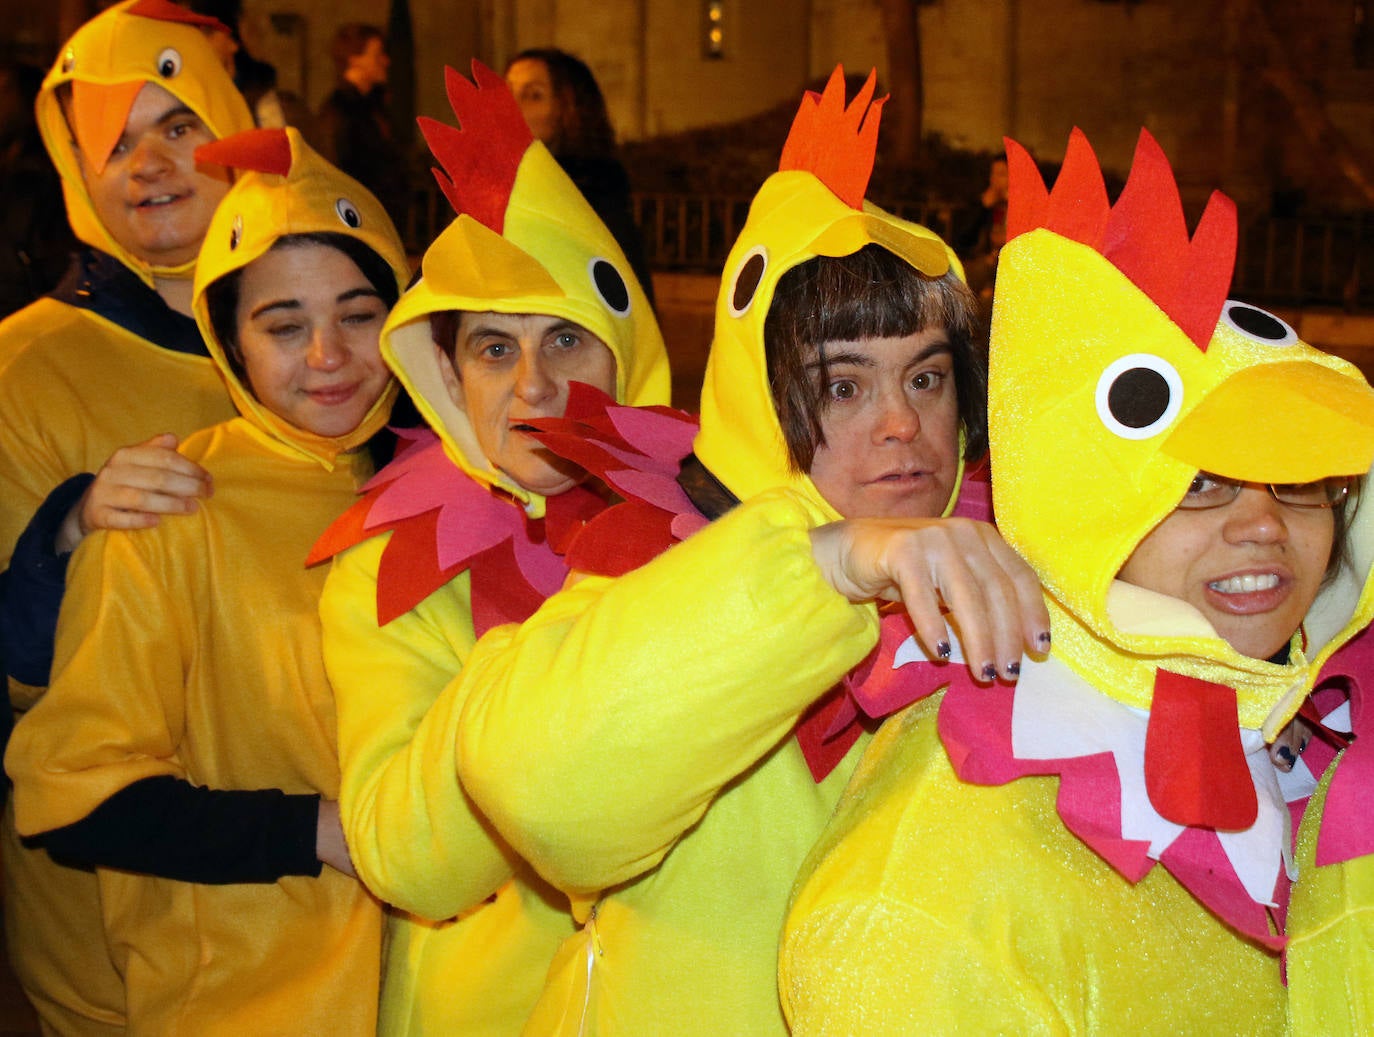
{"x": 115, "y": 711}
{"x": 1330, "y": 936}
{"x": 415, "y": 838}
{"x": 592, "y": 752}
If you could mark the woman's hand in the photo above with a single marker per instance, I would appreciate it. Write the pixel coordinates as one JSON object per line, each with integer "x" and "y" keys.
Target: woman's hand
{"x": 133, "y": 488}
{"x": 991, "y": 594}
{"x": 1290, "y": 743}
{"x": 330, "y": 845}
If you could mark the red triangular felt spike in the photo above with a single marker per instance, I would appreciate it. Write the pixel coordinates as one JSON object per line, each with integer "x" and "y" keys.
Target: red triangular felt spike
{"x": 1195, "y": 769}
{"x": 409, "y": 568}
{"x": 345, "y": 531}
{"x": 1027, "y": 196}
{"x": 822, "y": 748}
{"x": 621, "y": 539}
{"x": 1078, "y": 205}
{"x": 263, "y": 151}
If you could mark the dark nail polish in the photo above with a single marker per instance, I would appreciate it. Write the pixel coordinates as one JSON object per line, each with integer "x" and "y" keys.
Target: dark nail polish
{"x": 1286, "y": 755}
{"x": 1043, "y": 640}
{"x": 1014, "y": 669}
{"x": 989, "y": 672}
{"x": 942, "y": 649}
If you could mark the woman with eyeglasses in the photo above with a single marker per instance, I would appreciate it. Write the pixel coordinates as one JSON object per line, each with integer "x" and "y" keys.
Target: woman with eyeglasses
{"x": 1106, "y": 846}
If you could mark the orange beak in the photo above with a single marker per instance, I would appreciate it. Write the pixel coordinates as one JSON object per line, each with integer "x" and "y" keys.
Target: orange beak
{"x": 99, "y": 114}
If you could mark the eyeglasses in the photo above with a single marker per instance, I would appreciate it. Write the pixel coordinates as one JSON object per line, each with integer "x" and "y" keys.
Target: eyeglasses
{"x": 1215, "y": 491}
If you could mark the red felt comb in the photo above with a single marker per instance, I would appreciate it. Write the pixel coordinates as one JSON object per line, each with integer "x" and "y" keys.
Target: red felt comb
{"x": 166, "y": 11}
{"x": 1144, "y": 235}
{"x": 835, "y": 143}
{"x": 480, "y": 159}
{"x": 263, "y": 151}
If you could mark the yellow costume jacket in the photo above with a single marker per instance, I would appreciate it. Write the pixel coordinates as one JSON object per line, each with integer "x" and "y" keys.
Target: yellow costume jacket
{"x": 83, "y": 373}
{"x": 632, "y": 739}
{"x": 451, "y": 546}
{"x": 192, "y": 650}
{"x": 1066, "y": 856}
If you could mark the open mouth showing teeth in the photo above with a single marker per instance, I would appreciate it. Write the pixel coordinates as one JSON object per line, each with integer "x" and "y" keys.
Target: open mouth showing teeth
{"x": 162, "y": 199}
{"x": 1247, "y": 584}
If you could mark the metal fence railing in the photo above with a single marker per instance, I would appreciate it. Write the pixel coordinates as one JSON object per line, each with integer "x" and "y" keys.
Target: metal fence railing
{"x": 1281, "y": 262}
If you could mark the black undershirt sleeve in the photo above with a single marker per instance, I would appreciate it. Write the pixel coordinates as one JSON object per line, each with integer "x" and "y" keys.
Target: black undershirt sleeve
{"x": 168, "y": 827}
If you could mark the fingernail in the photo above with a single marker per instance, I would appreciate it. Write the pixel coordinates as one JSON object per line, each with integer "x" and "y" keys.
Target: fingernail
{"x": 1014, "y": 669}
{"x": 942, "y": 649}
{"x": 1286, "y": 755}
{"x": 1043, "y": 640}
{"x": 989, "y": 672}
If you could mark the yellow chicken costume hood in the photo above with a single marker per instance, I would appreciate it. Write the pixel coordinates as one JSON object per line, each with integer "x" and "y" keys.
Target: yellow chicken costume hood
{"x": 1112, "y": 336}
{"x": 813, "y": 206}
{"x": 524, "y": 241}
{"x": 107, "y": 62}
{"x": 286, "y": 188}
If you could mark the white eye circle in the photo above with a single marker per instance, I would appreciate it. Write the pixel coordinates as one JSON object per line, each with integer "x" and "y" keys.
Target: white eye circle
{"x": 348, "y": 212}
{"x": 1139, "y": 396}
{"x": 236, "y": 232}
{"x": 169, "y": 63}
{"x": 747, "y": 280}
{"x": 1257, "y": 325}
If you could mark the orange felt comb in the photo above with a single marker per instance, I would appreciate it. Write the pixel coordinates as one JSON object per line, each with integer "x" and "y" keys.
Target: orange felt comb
{"x": 1144, "y": 235}
{"x": 478, "y": 179}
{"x": 836, "y": 143}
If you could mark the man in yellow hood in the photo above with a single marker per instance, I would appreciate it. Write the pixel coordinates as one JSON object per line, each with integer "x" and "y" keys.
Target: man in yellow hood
{"x": 111, "y": 358}
{"x": 525, "y": 291}
{"x": 1107, "y": 846}
{"x": 186, "y": 746}
{"x": 637, "y": 739}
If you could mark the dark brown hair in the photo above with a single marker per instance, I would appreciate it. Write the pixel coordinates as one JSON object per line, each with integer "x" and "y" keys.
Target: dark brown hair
{"x": 585, "y": 129}
{"x": 872, "y": 293}
{"x": 222, "y": 295}
{"x": 352, "y": 39}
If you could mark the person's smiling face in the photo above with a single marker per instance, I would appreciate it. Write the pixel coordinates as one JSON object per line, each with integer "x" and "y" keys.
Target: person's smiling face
{"x": 308, "y": 328}
{"x": 891, "y": 426}
{"x": 1252, "y": 567}
{"x": 151, "y": 196}
{"x": 508, "y": 368}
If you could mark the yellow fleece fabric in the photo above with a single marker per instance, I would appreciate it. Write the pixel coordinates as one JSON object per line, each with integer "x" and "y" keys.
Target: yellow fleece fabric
{"x": 632, "y": 740}
{"x": 473, "y": 927}
{"x": 935, "y": 905}
{"x": 192, "y": 649}
{"x": 74, "y": 388}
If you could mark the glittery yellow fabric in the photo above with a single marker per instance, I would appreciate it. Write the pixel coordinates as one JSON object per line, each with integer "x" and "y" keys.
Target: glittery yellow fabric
{"x": 116, "y": 47}
{"x": 1330, "y": 957}
{"x": 942, "y": 916}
